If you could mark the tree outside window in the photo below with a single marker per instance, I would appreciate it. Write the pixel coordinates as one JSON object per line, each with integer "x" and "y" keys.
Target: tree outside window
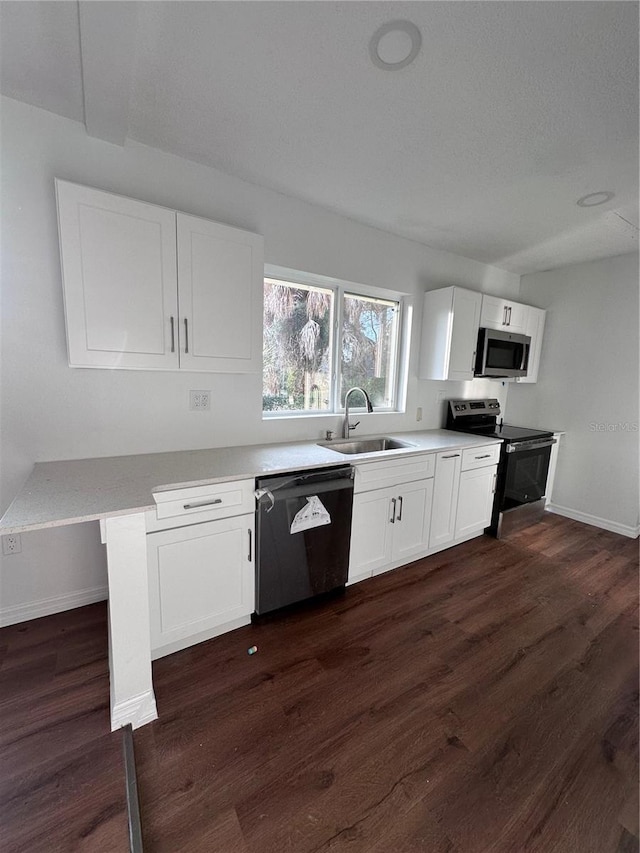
{"x": 305, "y": 325}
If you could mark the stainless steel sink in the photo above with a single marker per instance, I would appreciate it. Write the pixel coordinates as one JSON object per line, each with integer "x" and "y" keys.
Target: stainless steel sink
{"x": 365, "y": 445}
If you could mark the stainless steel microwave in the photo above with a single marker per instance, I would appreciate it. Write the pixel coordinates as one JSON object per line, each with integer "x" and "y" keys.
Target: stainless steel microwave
{"x": 502, "y": 354}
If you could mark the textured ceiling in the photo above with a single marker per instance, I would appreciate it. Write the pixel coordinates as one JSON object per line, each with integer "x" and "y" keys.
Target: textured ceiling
{"x": 511, "y": 112}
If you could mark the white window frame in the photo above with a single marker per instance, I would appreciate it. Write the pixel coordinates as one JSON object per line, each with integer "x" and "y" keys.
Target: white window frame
{"x": 341, "y": 287}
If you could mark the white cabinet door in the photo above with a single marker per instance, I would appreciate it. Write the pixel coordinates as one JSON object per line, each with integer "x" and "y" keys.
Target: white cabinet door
{"x": 200, "y": 577}
{"x": 494, "y": 313}
{"x": 445, "y": 498}
{"x": 119, "y": 275}
{"x": 503, "y": 314}
{"x": 412, "y": 519}
{"x": 535, "y": 330}
{"x": 220, "y": 276}
{"x": 464, "y": 334}
{"x": 517, "y": 317}
{"x": 450, "y": 322}
{"x": 370, "y": 533}
{"x": 475, "y": 500}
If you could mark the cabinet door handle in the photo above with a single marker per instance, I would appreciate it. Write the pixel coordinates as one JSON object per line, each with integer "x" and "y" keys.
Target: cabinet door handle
{"x": 504, "y": 315}
{"x": 173, "y": 335}
{"x": 250, "y": 545}
{"x": 473, "y": 363}
{"x": 202, "y": 503}
{"x": 186, "y": 335}
{"x": 495, "y": 480}
{"x": 393, "y": 511}
{"x": 509, "y": 323}
{"x": 484, "y": 456}
{"x": 399, "y": 517}
{"x": 451, "y": 456}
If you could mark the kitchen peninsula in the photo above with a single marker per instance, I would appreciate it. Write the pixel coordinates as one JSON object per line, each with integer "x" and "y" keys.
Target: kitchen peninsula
{"x": 134, "y": 496}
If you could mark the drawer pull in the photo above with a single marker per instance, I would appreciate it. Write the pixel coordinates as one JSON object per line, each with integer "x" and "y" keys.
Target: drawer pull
{"x": 203, "y": 503}
{"x": 484, "y": 456}
{"x": 451, "y": 456}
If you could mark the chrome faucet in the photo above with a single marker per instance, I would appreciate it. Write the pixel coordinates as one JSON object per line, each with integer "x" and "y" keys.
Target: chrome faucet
{"x": 347, "y": 427}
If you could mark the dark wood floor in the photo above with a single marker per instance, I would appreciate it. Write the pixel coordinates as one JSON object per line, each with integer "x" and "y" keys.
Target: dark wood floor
{"x": 61, "y": 770}
{"x": 484, "y": 699}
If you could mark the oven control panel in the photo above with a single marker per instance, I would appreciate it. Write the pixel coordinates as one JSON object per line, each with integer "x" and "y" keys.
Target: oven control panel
{"x": 460, "y": 408}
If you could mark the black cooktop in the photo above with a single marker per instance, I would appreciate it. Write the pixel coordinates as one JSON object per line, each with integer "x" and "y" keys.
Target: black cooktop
{"x": 482, "y": 417}
{"x": 506, "y": 431}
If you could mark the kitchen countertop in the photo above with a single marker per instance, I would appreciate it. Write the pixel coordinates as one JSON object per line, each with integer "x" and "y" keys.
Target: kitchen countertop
{"x": 78, "y": 490}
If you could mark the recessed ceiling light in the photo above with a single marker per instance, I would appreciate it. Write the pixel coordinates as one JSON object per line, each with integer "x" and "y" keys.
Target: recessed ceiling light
{"x": 395, "y": 45}
{"x": 593, "y": 199}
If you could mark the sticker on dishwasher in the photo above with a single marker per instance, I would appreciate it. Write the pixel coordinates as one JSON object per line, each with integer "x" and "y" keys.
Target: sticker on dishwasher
{"x": 314, "y": 514}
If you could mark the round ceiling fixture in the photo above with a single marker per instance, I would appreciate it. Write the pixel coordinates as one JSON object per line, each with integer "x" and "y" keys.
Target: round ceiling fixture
{"x": 395, "y": 45}
{"x": 594, "y": 199}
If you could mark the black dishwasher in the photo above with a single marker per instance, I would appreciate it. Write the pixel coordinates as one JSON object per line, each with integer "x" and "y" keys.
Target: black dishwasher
{"x": 303, "y": 533}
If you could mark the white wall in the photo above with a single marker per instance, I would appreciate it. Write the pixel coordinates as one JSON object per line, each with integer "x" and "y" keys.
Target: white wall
{"x": 588, "y": 386}
{"x": 50, "y": 411}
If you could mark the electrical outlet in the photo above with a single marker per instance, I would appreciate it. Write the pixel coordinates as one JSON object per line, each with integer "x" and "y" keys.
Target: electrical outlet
{"x": 419, "y": 413}
{"x": 441, "y": 396}
{"x": 199, "y": 401}
{"x": 11, "y": 544}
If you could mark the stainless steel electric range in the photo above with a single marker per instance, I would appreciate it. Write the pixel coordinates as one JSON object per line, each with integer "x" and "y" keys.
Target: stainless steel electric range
{"x": 523, "y": 467}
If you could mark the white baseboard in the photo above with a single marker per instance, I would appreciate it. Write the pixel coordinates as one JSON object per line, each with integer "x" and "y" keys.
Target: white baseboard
{"x": 595, "y": 521}
{"x": 46, "y": 606}
{"x": 138, "y": 711}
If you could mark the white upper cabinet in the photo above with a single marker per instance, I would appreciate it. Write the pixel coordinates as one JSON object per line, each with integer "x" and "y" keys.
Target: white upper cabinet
{"x": 535, "y": 329}
{"x": 502, "y": 314}
{"x": 149, "y": 288}
{"x": 220, "y": 275}
{"x": 119, "y": 274}
{"x": 450, "y": 321}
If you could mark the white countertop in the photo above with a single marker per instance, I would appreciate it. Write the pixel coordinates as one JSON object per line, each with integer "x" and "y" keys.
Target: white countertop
{"x": 77, "y": 490}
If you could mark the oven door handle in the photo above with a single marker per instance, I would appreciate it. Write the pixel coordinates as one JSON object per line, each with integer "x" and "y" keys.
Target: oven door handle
{"x": 529, "y": 445}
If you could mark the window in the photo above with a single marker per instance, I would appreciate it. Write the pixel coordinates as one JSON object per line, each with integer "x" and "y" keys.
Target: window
{"x": 322, "y": 338}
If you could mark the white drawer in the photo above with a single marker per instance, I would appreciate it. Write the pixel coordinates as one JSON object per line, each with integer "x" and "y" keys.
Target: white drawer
{"x": 196, "y": 504}
{"x": 392, "y": 472}
{"x": 480, "y": 457}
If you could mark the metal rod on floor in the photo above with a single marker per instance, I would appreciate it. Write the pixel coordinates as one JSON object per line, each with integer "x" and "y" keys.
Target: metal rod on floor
{"x": 133, "y": 804}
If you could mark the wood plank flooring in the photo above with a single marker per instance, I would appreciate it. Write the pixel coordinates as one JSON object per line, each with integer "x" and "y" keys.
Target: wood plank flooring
{"x": 61, "y": 770}
{"x": 481, "y": 700}
{"x": 484, "y": 699}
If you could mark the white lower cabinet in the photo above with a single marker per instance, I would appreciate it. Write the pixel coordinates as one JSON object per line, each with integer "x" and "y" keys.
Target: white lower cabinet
{"x": 370, "y": 534}
{"x": 411, "y": 525}
{"x": 463, "y": 494}
{"x": 475, "y": 501}
{"x": 201, "y": 579}
{"x": 390, "y": 525}
{"x": 201, "y": 575}
{"x": 445, "y": 498}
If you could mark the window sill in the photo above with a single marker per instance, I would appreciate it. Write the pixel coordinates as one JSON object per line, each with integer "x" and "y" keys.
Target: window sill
{"x": 276, "y": 416}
